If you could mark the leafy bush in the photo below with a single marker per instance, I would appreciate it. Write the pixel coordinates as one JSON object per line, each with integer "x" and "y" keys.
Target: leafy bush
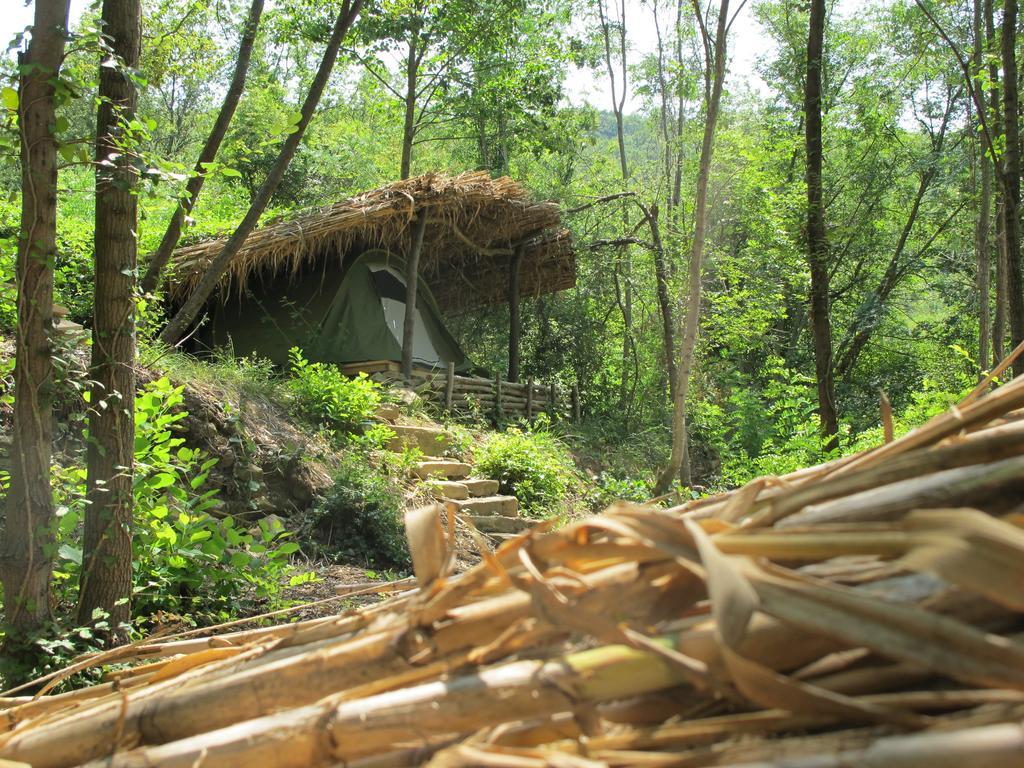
{"x": 185, "y": 561}
{"x": 327, "y": 396}
{"x": 361, "y": 516}
{"x": 608, "y": 489}
{"x": 531, "y": 464}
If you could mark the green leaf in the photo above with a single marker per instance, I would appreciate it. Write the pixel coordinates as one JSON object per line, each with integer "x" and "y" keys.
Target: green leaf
{"x": 9, "y": 98}
{"x": 162, "y": 480}
{"x": 239, "y": 560}
{"x": 68, "y": 552}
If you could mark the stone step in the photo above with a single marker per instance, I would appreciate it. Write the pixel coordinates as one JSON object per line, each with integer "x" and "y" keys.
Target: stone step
{"x": 451, "y": 470}
{"x": 479, "y": 486}
{"x": 430, "y": 440}
{"x": 498, "y": 524}
{"x": 388, "y": 413}
{"x": 448, "y": 489}
{"x": 505, "y": 506}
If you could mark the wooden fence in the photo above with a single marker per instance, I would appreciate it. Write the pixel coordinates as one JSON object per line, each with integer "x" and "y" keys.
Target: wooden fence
{"x": 468, "y": 394}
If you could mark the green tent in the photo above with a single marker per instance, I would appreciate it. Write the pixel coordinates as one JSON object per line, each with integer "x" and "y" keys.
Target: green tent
{"x": 356, "y": 318}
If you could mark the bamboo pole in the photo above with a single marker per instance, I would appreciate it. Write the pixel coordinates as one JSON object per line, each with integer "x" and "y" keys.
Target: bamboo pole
{"x": 449, "y": 387}
{"x": 412, "y": 281}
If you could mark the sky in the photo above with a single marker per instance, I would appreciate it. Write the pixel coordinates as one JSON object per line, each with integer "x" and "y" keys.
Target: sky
{"x": 746, "y": 44}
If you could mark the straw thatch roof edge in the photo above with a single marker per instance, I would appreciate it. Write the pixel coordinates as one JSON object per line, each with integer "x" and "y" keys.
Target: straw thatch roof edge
{"x": 475, "y": 224}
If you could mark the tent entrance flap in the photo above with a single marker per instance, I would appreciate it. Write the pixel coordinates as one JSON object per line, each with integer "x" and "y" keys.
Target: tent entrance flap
{"x": 391, "y": 289}
{"x": 367, "y": 315}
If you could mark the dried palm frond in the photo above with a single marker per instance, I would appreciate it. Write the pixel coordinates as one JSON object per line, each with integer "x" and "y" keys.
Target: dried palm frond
{"x": 864, "y": 612}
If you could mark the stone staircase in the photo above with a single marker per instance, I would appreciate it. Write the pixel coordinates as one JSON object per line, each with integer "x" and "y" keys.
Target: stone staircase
{"x": 474, "y": 499}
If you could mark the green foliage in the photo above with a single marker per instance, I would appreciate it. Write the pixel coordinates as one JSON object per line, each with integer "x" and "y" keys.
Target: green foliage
{"x": 607, "y": 488}
{"x": 186, "y": 562}
{"x": 360, "y": 516}
{"x": 931, "y": 400}
{"x": 323, "y": 394}
{"x": 531, "y": 464}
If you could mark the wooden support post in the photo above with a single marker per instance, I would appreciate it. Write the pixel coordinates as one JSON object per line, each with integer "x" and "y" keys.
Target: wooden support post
{"x": 514, "y": 323}
{"x": 529, "y": 399}
{"x": 499, "y": 410}
{"x": 412, "y": 279}
{"x": 575, "y": 403}
{"x": 449, "y": 386}
{"x": 551, "y": 399}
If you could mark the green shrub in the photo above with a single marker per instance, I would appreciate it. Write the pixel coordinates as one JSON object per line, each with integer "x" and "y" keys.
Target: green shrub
{"x": 531, "y": 464}
{"x": 185, "y": 561}
{"x": 360, "y": 517}
{"x": 608, "y": 489}
{"x": 325, "y": 395}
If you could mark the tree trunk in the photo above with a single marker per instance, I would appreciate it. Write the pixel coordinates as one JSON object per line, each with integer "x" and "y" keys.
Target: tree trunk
{"x": 412, "y": 67}
{"x": 514, "y": 320}
{"x": 106, "y": 578}
{"x": 412, "y": 281}
{"x": 688, "y": 335}
{"x": 208, "y": 154}
{"x": 995, "y": 120}
{"x": 668, "y": 341}
{"x": 26, "y": 547}
{"x": 1011, "y": 185}
{"x": 981, "y": 242}
{"x": 623, "y": 273}
{"x": 190, "y": 309}
{"x": 999, "y": 322}
{"x": 817, "y": 239}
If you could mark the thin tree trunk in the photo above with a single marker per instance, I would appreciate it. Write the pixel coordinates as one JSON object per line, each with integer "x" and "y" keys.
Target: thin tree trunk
{"x": 688, "y": 334}
{"x": 623, "y": 274}
{"x": 190, "y": 309}
{"x": 25, "y": 550}
{"x": 817, "y": 239}
{"x": 999, "y": 322}
{"x": 412, "y": 67}
{"x": 995, "y": 112}
{"x": 106, "y": 579}
{"x": 412, "y": 281}
{"x": 1011, "y": 175}
{"x": 514, "y": 320}
{"x": 981, "y": 241}
{"x": 209, "y": 152}
{"x": 660, "y": 267}
{"x": 668, "y": 340}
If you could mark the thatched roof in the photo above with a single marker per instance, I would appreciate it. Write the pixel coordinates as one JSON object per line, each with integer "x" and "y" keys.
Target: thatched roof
{"x": 475, "y": 223}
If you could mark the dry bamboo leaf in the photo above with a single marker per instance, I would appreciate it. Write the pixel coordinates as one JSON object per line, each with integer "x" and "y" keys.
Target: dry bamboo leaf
{"x": 971, "y": 549}
{"x": 740, "y": 503}
{"x": 898, "y": 631}
{"x": 734, "y": 601}
{"x": 964, "y": 485}
{"x": 428, "y": 545}
{"x": 174, "y": 667}
{"x": 994, "y": 746}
